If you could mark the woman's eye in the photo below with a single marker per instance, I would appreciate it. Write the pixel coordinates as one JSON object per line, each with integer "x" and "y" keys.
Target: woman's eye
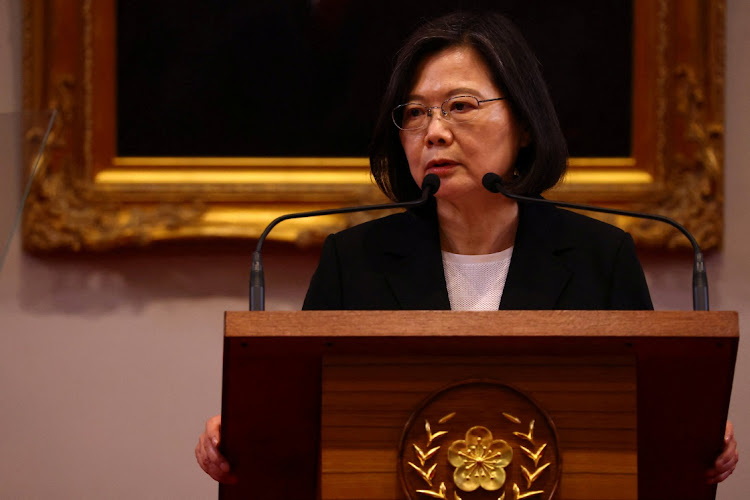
{"x": 462, "y": 106}
{"x": 412, "y": 115}
{"x": 415, "y": 112}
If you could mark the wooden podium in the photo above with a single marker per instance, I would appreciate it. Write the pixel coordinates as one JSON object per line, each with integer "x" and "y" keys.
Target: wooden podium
{"x": 314, "y": 402}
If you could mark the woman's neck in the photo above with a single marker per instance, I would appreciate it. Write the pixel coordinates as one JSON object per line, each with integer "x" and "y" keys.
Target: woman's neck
{"x": 478, "y": 229}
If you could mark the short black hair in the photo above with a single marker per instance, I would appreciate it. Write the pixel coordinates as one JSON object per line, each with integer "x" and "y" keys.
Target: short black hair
{"x": 517, "y": 73}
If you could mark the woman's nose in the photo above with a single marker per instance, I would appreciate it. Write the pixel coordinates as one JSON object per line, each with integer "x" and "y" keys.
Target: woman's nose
{"x": 438, "y": 129}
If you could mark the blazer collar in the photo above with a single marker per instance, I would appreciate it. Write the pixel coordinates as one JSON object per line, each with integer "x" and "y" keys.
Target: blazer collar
{"x": 413, "y": 262}
{"x": 536, "y": 276}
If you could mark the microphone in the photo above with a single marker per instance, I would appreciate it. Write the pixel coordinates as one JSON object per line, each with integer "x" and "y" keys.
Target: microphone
{"x": 430, "y": 186}
{"x": 493, "y": 183}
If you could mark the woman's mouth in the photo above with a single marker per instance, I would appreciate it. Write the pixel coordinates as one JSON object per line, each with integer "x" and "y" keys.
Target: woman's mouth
{"x": 440, "y": 166}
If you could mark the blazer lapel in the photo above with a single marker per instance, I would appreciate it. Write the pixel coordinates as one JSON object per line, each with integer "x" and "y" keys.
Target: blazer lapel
{"x": 413, "y": 264}
{"x": 536, "y": 276}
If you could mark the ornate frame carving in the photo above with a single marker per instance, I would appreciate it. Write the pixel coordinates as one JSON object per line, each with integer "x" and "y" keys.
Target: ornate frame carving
{"x": 87, "y": 198}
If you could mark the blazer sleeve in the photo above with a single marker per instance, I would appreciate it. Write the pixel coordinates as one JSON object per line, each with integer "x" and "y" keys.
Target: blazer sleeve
{"x": 629, "y": 290}
{"x": 324, "y": 292}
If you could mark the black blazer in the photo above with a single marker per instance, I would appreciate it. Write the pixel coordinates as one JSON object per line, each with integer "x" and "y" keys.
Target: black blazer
{"x": 561, "y": 260}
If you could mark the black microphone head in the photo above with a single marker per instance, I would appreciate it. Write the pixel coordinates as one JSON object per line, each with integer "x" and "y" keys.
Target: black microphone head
{"x": 431, "y": 182}
{"x": 492, "y": 182}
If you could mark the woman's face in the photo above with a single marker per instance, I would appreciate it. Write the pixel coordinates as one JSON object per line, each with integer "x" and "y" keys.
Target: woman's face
{"x": 461, "y": 153}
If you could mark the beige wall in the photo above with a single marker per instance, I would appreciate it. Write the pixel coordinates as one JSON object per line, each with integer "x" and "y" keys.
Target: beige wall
{"x": 110, "y": 364}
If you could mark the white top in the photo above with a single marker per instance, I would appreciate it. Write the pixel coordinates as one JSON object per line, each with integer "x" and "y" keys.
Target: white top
{"x": 476, "y": 282}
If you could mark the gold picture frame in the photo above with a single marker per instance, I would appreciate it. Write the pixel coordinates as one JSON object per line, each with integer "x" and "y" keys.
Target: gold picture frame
{"x": 88, "y": 198}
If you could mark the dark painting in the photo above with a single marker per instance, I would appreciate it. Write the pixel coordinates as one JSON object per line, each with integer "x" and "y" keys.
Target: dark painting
{"x": 304, "y": 78}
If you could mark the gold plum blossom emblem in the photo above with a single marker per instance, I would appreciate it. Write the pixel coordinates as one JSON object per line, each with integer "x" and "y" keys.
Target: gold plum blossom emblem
{"x": 479, "y": 460}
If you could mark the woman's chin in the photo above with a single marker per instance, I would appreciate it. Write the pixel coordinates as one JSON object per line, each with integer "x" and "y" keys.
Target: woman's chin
{"x": 461, "y": 194}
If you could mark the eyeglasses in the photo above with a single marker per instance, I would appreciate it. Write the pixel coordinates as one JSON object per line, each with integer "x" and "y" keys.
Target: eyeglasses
{"x": 416, "y": 116}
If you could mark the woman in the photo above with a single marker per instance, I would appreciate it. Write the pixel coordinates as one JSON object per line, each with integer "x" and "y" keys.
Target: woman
{"x": 466, "y": 98}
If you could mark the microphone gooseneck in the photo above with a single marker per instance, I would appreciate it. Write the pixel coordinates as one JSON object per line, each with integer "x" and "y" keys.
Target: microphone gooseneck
{"x": 430, "y": 186}
{"x": 494, "y": 183}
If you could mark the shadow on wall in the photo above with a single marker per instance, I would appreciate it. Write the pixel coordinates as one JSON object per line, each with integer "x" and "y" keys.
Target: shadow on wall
{"x": 102, "y": 283}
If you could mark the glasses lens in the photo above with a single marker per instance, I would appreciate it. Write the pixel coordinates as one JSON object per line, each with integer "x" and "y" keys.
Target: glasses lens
{"x": 410, "y": 116}
{"x": 461, "y": 108}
